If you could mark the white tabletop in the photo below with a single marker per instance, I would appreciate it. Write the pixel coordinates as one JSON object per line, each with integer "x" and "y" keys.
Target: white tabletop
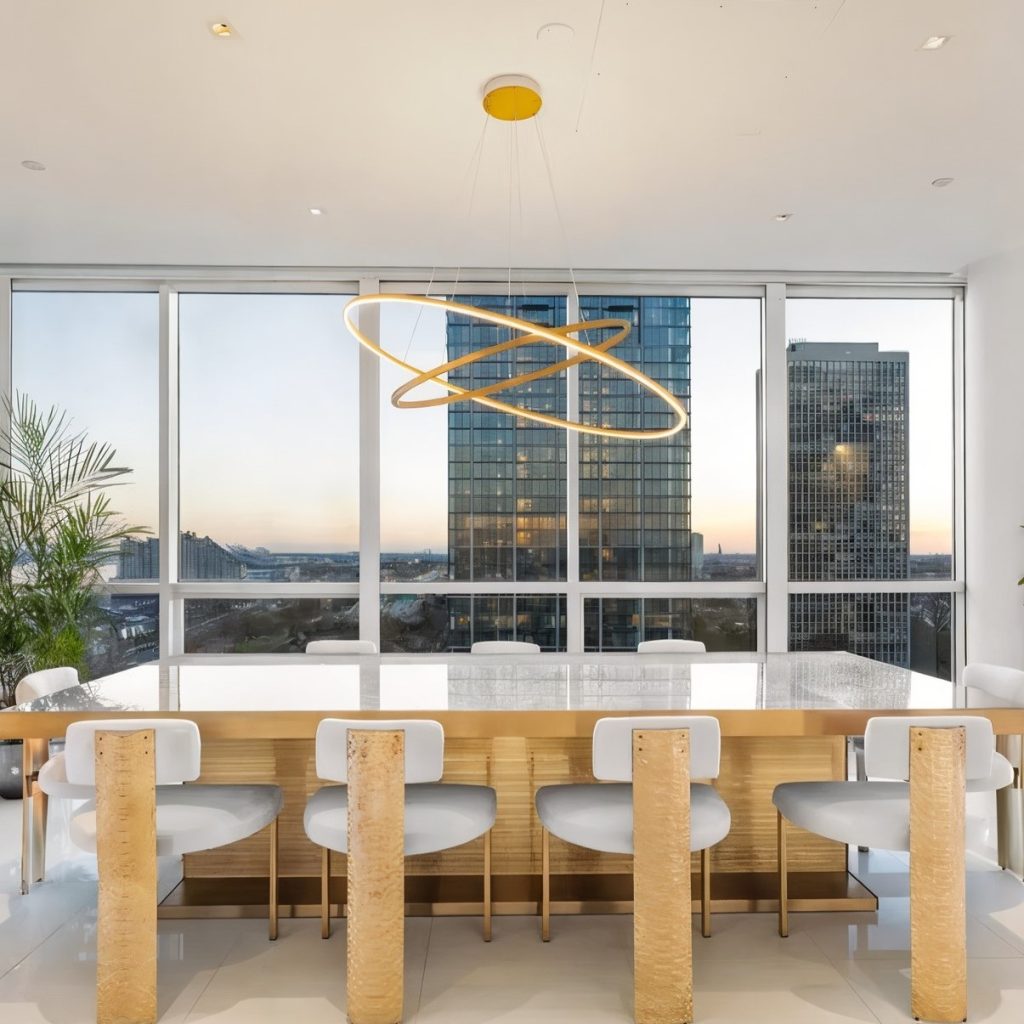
{"x": 555, "y": 682}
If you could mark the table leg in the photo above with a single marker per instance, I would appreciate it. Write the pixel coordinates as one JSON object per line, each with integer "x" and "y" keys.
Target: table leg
{"x": 1010, "y": 809}
{"x": 938, "y": 919}
{"x": 662, "y": 940}
{"x": 376, "y": 875}
{"x": 26, "y": 816}
{"x": 126, "y": 855}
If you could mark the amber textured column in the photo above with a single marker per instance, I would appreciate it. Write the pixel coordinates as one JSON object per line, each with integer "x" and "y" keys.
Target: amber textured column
{"x": 376, "y": 875}
{"x": 662, "y": 941}
{"x": 126, "y": 856}
{"x": 938, "y": 920}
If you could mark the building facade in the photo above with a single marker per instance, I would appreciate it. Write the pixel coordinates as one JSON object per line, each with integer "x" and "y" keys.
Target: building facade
{"x": 849, "y": 495}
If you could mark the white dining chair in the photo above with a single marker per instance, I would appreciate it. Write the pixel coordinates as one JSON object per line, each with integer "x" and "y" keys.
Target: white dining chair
{"x": 44, "y": 682}
{"x": 599, "y": 815}
{"x": 671, "y": 647}
{"x": 36, "y": 686}
{"x": 1006, "y": 685}
{"x": 876, "y": 813}
{"x": 341, "y": 647}
{"x": 438, "y": 816}
{"x": 504, "y": 647}
{"x": 189, "y": 818}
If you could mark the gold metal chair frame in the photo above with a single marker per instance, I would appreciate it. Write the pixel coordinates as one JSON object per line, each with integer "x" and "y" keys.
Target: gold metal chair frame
{"x": 325, "y": 887}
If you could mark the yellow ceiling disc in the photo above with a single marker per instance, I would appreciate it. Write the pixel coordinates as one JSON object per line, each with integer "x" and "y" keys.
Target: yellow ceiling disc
{"x": 512, "y": 98}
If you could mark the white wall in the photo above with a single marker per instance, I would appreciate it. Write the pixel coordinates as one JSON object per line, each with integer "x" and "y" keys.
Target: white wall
{"x": 994, "y": 458}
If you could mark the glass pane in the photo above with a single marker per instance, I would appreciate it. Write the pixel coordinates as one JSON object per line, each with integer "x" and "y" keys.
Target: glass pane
{"x": 488, "y": 488}
{"x": 418, "y": 623}
{"x": 870, "y": 438}
{"x": 275, "y": 626}
{"x": 126, "y": 632}
{"x": 912, "y": 630}
{"x": 269, "y": 439}
{"x": 620, "y": 623}
{"x": 682, "y": 508}
{"x": 94, "y": 355}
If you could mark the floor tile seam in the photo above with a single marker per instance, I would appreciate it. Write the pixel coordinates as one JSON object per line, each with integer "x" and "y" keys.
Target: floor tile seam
{"x": 45, "y": 939}
{"x": 213, "y": 974}
{"x": 850, "y": 985}
{"x": 423, "y": 973}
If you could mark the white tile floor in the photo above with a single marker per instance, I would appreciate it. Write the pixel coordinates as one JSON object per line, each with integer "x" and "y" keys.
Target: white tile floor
{"x": 833, "y": 968}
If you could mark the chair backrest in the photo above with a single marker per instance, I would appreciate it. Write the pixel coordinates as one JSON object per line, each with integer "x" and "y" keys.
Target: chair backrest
{"x": 504, "y": 647}
{"x": 671, "y": 647}
{"x": 178, "y": 748}
{"x": 887, "y": 744}
{"x": 424, "y": 747}
{"x": 998, "y": 680}
{"x": 341, "y": 647}
{"x": 43, "y": 683}
{"x": 613, "y": 744}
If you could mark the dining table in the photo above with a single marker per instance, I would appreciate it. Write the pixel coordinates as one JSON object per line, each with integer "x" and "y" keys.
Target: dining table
{"x": 515, "y": 723}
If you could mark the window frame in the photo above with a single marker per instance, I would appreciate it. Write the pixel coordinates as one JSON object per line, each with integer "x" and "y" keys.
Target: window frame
{"x": 772, "y": 587}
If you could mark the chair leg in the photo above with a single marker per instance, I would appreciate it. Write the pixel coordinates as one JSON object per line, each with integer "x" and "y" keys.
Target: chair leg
{"x": 272, "y": 895}
{"x": 705, "y": 892}
{"x": 545, "y": 886}
{"x": 26, "y": 817}
{"x": 783, "y": 880}
{"x": 40, "y": 805}
{"x": 487, "y": 886}
{"x": 325, "y": 893}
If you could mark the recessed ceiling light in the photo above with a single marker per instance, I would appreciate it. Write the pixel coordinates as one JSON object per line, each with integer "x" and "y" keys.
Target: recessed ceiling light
{"x": 935, "y": 42}
{"x": 316, "y": 211}
{"x": 942, "y": 182}
{"x": 222, "y": 29}
{"x": 781, "y": 217}
{"x": 33, "y": 165}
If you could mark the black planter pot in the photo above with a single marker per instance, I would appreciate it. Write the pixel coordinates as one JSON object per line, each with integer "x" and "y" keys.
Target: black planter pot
{"x": 10, "y": 769}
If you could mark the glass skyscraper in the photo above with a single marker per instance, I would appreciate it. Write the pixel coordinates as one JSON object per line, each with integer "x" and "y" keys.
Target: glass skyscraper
{"x": 848, "y": 496}
{"x": 635, "y": 495}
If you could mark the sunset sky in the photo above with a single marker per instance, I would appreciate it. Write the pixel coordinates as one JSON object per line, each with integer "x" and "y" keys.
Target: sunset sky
{"x": 269, "y": 410}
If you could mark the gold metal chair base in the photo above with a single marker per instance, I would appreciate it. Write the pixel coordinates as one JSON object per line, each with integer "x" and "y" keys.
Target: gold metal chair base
{"x": 325, "y": 892}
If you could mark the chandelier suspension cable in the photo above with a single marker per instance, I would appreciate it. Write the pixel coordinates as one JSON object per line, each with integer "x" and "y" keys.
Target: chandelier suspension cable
{"x": 561, "y": 223}
{"x": 472, "y": 168}
{"x": 478, "y": 154}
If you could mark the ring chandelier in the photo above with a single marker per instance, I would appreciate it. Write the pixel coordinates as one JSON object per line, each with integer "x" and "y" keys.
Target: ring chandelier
{"x": 516, "y": 98}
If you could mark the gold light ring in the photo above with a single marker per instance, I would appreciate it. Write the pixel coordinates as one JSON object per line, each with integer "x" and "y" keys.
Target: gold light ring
{"x": 489, "y": 316}
{"x": 431, "y": 376}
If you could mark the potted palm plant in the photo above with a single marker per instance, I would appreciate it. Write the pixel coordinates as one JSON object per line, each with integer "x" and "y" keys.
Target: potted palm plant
{"x": 57, "y": 529}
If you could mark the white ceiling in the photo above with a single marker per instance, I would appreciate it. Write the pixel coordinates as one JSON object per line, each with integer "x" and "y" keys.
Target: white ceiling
{"x": 697, "y": 122}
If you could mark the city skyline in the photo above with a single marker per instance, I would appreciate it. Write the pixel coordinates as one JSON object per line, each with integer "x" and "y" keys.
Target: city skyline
{"x": 105, "y": 340}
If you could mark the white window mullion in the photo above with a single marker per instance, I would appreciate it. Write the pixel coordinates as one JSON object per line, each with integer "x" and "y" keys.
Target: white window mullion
{"x": 573, "y": 600}
{"x": 6, "y": 352}
{"x": 172, "y": 615}
{"x": 776, "y": 466}
{"x": 369, "y": 469}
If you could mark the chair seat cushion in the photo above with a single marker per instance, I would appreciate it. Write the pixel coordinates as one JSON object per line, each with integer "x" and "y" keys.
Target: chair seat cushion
{"x": 437, "y": 816}
{"x": 875, "y": 814}
{"x": 53, "y": 781}
{"x": 195, "y": 817}
{"x": 600, "y": 816}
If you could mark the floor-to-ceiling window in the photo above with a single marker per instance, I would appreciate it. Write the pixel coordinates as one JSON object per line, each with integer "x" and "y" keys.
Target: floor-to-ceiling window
{"x": 244, "y": 406}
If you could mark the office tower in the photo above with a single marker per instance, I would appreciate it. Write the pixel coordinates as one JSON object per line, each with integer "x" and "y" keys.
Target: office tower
{"x": 635, "y": 495}
{"x": 848, "y": 496}
{"x": 506, "y": 477}
{"x": 201, "y": 559}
